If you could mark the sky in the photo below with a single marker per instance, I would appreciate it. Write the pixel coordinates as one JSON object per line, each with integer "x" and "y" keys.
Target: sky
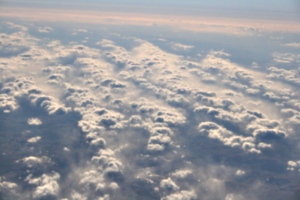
{"x": 277, "y": 9}
{"x": 172, "y": 100}
{"x": 275, "y": 5}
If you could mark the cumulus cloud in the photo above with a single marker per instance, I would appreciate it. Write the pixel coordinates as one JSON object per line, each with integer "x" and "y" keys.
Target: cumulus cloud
{"x": 269, "y": 133}
{"x": 288, "y": 76}
{"x": 32, "y": 161}
{"x": 9, "y": 189}
{"x": 46, "y": 185}
{"x": 34, "y": 121}
{"x": 214, "y": 131}
{"x": 34, "y": 139}
{"x": 182, "y": 174}
{"x": 240, "y": 172}
{"x": 108, "y": 162}
{"x": 285, "y": 57}
{"x": 293, "y": 165}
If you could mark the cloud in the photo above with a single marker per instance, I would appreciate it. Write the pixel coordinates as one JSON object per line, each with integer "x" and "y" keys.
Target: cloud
{"x": 47, "y": 185}
{"x": 81, "y": 30}
{"x": 106, "y": 43}
{"x": 168, "y": 184}
{"x": 9, "y": 189}
{"x": 111, "y": 166}
{"x": 240, "y": 172}
{"x": 215, "y": 131}
{"x": 293, "y": 165}
{"x": 46, "y": 29}
{"x": 98, "y": 142}
{"x": 32, "y": 161}
{"x": 34, "y": 121}
{"x": 16, "y": 26}
{"x": 181, "y": 47}
{"x": 34, "y": 139}
{"x": 294, "y": 45}
{"x": 269, "y": 133}
{"x": 234, "y": 197}
{"x": 182, "y": 174}
{"x": 286, "y": 58}
{"x": 182, "y": 195}
{"x": 122, "y": 118}
{"x": 199, "y": 23}
{"x": 7, "y": 103}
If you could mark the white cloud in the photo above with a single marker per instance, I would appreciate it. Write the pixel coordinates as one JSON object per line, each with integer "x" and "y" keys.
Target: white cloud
{"x": 293, "y": 165}
{"x": 33, "y": 161}
{"x": 182, "y": 195}
{"x": 9, "y": 188}
{"x": 182, "y": 174}
{"x": 168, "y": 184}
{"x": 240, "y": 172}
{"x": 181, "y": 47}
{"x": 46, "y": 29}
{"x": 34, "y": 121}
{"x": 34, "y": 139}
{"x": 46, "y": 185}
{"x": 134, "y": 112}
{"x": 16, "y": 26}
{"x": 214, "y": 131}
{"x": 286, "y": 58}
{"x": 294, "y": 45}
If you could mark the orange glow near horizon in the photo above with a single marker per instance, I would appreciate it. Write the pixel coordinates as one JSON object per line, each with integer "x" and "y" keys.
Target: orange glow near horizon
{"x": 198, "y": 23}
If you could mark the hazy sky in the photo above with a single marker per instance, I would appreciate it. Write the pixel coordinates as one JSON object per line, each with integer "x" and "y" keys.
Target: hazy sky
{"x": 244, "y": 4}
{"x": 258, "y": 9}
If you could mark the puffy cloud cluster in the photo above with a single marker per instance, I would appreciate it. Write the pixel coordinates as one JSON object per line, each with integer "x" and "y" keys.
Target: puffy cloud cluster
{"x": 46, "y": 185}
{"x": 101, "y": 178}
{"x": 293, "y": 165}
{"x": 7, "y": 103}
{"x": 110, "y": 165}
{"x": 246, "y": 128}
{"x": 25, "y": 87}
{"x": 288, "y": 76}
{"x": 32, "y": 161}
{"x": 8, "y": 189}
{"x": 214, "y": 131}
{"x": 182, "y": 174}
{"x": 286, "y": 57}
{"x": 159, "y": 139}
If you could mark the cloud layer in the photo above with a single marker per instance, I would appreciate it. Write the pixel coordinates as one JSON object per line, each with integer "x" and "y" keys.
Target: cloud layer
{"x": 105, "y": 120}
